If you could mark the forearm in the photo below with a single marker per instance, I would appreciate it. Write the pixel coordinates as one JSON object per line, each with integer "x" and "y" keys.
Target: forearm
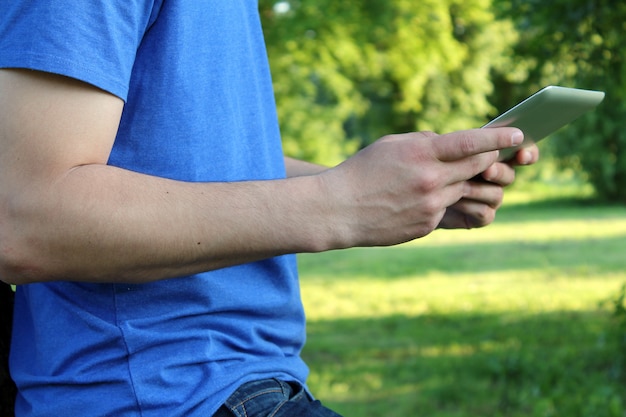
{"x": 100, "y": 223}
{"x": 66, "y": 215}
{"x": 298, "y": 168}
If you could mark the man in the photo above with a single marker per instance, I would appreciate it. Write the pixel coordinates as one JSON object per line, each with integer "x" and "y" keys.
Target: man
{"x": 149, "y": 218}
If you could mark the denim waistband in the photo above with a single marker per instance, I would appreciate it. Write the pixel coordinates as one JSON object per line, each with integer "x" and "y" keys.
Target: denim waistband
{"x": 273, "y": 398}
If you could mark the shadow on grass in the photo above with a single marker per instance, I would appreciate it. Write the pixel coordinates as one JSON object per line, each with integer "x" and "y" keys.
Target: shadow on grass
{"x": 589, "y": 256}
{"x": 557, "y": 364}
{"x": 559, "y": 208}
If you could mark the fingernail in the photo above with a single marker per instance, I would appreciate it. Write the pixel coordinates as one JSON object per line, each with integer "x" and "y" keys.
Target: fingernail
{"x": 527, "y": 158}
{"x": 517, "y": 138}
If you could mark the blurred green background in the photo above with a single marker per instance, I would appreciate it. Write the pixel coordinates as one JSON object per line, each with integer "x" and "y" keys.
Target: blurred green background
{"x": 524, "y": 318}
{"x": 348, "y": 72}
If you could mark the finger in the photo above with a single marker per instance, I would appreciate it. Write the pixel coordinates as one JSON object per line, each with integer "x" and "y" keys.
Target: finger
{"x": 462, "y": 144}
{"x": 426, "y": 134}
{"x": 484, "y": 193}
{"x": 526, "y": 156}
{"x": 502, "y": 174}
{"x": 468, "y": 214}
{"x": 429, "y": 134}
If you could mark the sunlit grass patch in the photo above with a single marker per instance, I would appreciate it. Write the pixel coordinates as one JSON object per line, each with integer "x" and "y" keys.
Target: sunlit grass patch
{"x": 503, "y": 321}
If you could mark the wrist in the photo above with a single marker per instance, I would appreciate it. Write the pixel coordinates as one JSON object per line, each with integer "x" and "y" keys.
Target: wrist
{"x": 335, "y": 224}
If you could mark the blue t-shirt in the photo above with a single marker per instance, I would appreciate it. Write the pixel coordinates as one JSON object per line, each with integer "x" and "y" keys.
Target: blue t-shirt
{"x": 199, "y": 107}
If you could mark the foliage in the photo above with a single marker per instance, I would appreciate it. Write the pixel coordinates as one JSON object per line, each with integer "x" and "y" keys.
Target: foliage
{"x": 618, "y": 304}
{"x": 346, "y": 73}
{"x": 619, "y": 311}
{"x": 577, "y": 43}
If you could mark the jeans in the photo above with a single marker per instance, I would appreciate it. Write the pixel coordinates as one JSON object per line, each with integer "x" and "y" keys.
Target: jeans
{"x": 272, "y": 398}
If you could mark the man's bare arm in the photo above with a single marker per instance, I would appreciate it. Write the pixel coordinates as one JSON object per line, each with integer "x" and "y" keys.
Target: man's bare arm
{"x": 298, "y": 168}
{"x": 66, "y": 215}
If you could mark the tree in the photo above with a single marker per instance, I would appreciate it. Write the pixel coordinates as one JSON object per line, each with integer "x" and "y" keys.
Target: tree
{"x": 578, "y": 43}
{"x": 346, "y": 73}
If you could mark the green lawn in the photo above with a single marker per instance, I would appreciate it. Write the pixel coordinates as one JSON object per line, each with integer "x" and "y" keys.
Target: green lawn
{"x": 509, "y": 320}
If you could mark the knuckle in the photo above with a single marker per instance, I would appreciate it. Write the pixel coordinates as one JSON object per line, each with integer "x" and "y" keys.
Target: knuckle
{"x": 431, "y": 209}
{"x": 467, "y": 143}
{"x": 428, "y": 182}
{"x": 387, "y": 138}
{"x": 429, "y": 134}
{"x": 484, "y": 216}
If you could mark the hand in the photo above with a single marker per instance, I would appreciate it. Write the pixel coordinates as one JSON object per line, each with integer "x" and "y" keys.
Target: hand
{"x": 478, "y": 208}
{"x": 400, "y": 187}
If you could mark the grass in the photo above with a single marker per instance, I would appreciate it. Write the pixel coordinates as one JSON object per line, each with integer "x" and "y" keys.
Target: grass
{"x": 510, "y": 320}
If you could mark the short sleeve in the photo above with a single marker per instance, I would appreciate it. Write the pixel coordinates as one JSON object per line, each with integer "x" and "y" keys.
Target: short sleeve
{"x": 94, "y": 41}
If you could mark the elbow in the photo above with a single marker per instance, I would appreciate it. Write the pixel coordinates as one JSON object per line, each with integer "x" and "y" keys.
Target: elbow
{"x": 16, "y": 266}
{"x": 19, "y": 266}
{"x": 19, "y": 262}
{"x": 10, "y": 272}
{"x": 9, "y": 276}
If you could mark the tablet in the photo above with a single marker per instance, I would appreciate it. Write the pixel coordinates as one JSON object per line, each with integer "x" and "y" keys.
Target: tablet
{"x": 544, "y": 112}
